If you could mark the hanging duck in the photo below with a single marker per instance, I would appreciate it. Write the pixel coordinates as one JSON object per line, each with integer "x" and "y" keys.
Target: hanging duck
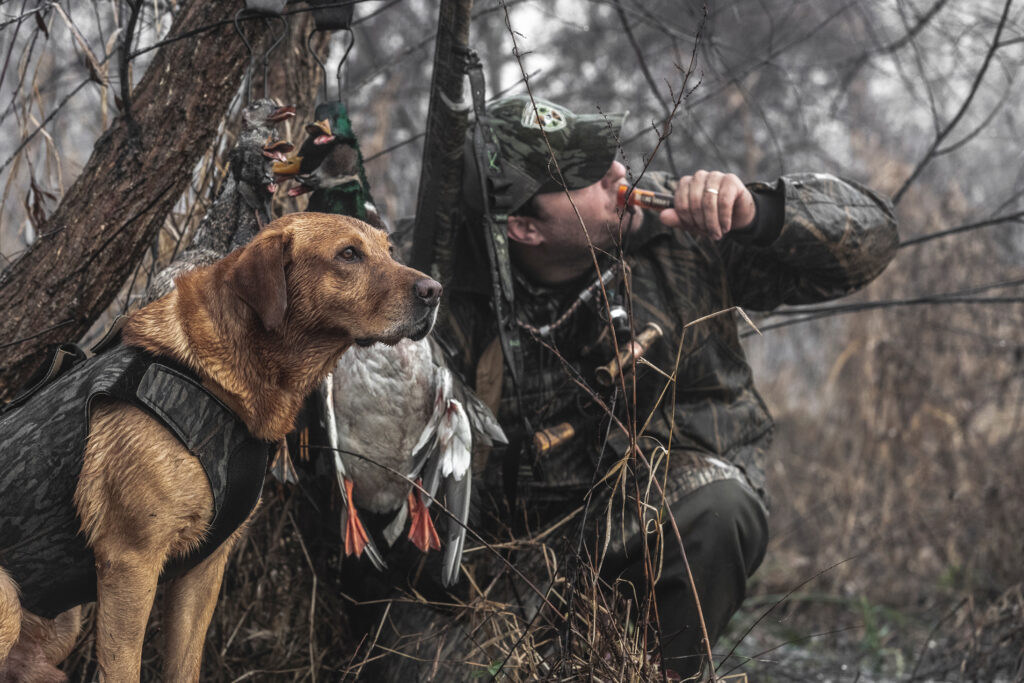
{"x": 406, "y": 428}
{"x": 243, "y": 205}
{"x": 329, "y": 163}
{"x": 244, "y": 198}
{"x": 400, "y": 426}
{"x": 338, "y": 184}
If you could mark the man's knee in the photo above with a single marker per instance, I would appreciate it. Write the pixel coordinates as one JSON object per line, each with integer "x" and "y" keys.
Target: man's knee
{"x": 724, "y": 521}
{"x": 724, "y": 532}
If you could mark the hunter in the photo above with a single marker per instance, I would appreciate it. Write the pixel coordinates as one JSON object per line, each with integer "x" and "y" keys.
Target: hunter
{"x": 533, "y": 319}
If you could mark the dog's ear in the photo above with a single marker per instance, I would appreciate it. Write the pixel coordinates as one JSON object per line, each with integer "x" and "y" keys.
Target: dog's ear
{"x": 258, "y": 279}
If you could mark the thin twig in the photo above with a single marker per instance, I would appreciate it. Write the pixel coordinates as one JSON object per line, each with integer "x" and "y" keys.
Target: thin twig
{"x": 945, "y": 131}
{"x": 776, "y": 604}
{"x": 124, "y": 61}
{"x": 1017, "y": 217}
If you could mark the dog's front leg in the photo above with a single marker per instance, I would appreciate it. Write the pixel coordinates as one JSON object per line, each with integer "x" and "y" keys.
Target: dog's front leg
{"x": 10, "y": 615}
{"x": 189, "y": 602}
{"x": 126, "y": 586}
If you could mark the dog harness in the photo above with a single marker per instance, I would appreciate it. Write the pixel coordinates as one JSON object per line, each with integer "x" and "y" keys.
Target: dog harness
{"x": 42, "y": 444}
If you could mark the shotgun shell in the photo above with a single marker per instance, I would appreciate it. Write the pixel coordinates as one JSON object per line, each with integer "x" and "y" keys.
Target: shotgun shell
{"x": 553, "y": 437}
{"x": 633, "y": 351}
{"x": 645, "y": 199}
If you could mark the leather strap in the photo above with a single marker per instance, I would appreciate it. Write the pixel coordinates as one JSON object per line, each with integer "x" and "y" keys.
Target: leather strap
{"x": 487, "y": 154}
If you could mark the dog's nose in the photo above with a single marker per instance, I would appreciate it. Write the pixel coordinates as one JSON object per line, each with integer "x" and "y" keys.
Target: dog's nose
{"x": 428, "y": 291}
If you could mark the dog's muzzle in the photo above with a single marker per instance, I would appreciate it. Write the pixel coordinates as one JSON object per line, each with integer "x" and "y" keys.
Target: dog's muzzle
{"x": 426, "y": 300}
{"x": 428, "y": 293}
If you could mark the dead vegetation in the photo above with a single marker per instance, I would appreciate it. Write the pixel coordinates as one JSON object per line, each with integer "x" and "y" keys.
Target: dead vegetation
{"x": 901, "y": 483}
{"x": 897, "y": 519}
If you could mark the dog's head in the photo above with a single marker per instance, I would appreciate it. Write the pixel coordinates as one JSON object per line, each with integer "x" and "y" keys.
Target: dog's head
{"x": 331, "y": 276}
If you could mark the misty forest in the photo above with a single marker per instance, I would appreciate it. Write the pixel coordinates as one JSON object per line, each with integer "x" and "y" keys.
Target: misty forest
{"x": 898, "y": 459}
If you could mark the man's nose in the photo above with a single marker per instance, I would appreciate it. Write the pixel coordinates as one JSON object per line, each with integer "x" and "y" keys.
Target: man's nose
{"x": 614, "y": 172}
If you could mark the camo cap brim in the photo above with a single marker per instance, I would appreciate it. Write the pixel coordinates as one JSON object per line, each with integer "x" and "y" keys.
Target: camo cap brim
{"x": 584, "y": 145}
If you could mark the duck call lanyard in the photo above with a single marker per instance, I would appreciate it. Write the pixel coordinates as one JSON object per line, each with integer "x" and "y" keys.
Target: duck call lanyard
{"x": 515, "y": 466}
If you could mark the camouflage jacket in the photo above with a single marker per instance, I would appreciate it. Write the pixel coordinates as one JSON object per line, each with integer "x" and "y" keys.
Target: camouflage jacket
{"x": 835, "y": 237}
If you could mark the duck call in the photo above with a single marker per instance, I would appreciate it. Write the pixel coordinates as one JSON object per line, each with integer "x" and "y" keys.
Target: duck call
{"x": 644, "y": 199}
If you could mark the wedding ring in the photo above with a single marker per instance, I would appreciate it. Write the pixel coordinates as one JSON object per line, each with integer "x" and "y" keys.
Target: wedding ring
{"x": 711, "y": 190}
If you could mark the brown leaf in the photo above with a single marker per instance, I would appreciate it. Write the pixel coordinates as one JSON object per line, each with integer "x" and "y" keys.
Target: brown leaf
{"x": 35, "y": 204}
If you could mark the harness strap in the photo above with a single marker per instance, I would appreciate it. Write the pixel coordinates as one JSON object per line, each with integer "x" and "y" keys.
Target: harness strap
{"x": 234, "y": 461}
{"x": 60, "y": 360}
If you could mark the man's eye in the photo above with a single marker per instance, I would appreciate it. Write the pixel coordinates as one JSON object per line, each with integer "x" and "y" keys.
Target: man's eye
{"x": 348, "y": 254}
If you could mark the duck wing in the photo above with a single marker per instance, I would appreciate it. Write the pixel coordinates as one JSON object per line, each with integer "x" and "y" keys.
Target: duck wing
{"x": 455, "y": 464}
{"x": 483, "y": 425}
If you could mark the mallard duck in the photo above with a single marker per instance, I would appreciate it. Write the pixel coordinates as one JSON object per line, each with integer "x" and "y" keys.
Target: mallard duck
{"x": 406, "y": 427}
{"x": 318, "y": 142}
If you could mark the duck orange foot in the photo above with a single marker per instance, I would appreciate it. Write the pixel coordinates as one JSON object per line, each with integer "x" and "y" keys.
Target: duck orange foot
{"x": 356, "y": 537}
{"x": 421, "y": 529}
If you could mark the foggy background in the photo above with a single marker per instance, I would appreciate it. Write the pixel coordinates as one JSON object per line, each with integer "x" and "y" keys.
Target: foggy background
{"x": 899, "y": 460}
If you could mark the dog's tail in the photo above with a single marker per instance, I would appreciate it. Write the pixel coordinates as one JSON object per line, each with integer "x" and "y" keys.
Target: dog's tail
{"x": 10, "y": 614}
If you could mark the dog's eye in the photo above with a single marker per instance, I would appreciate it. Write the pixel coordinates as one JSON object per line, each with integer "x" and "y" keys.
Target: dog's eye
{"x": 349, "y": 254}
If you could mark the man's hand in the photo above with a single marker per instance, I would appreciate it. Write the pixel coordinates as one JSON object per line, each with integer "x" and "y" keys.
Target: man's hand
{"x": 711, "y": 204}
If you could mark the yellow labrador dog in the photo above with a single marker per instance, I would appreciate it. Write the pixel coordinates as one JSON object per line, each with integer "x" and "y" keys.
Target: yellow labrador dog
{"x": 258, "y": 331}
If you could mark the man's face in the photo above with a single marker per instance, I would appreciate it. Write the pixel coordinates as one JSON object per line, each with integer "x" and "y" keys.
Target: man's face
{"x": 596, "y": 203}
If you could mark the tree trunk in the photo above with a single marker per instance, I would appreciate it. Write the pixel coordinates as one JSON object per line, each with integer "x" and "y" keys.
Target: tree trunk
{"x": 138, "y": 170}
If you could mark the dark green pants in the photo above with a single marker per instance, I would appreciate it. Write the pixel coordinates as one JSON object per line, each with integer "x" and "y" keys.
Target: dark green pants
{"x": 725, "y": 533}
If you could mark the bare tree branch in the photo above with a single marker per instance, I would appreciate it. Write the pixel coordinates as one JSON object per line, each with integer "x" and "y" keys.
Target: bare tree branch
{"x": 655, "y": 92}
{"x": 931, "y": 153}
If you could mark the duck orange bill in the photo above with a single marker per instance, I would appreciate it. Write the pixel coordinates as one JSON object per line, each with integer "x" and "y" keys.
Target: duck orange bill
{"x": 356, "y": 538}
{"x": 644, "y": 199}
{"x": 282, "y": 113}
{"x": 320, "y": 131}
{"x": 277, "y": 149}
{"x": 421, "y": 528}
{"x": 287, "y": 168}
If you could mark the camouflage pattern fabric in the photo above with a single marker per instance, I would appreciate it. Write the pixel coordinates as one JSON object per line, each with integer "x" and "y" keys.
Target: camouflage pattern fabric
{"x": 836, "y": 236}
{"x": 42, "y": 444}
{"x": 584, "y": 147}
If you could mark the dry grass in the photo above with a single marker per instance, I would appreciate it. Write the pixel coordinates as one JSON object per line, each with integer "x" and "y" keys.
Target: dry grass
{"x": 285, "y": 613}
{"x": 905, "y": 470}
{"x": 895, "y": 476}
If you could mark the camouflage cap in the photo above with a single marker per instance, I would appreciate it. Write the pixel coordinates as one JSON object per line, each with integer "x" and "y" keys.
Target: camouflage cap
{"x": 584, "y": 146}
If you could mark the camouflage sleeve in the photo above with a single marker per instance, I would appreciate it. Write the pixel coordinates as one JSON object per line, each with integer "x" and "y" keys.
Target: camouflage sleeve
{"x": 836, "y": 237}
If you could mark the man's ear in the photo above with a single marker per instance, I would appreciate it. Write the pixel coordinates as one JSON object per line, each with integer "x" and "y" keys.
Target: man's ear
{"x": 258, "y": 279}
{"x": 524, "y": 230}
